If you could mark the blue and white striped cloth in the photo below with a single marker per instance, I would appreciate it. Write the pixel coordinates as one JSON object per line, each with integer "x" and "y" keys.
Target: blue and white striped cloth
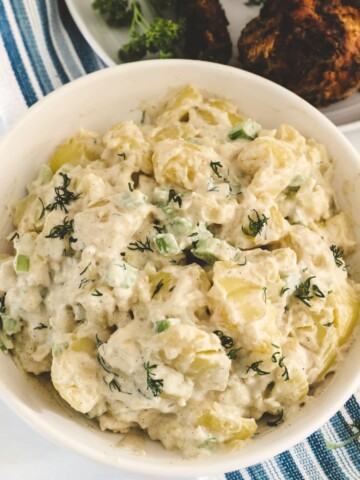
{"x": 40, "y": 50}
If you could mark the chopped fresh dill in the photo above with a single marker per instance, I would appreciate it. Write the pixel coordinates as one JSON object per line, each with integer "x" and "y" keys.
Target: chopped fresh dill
{"x": 97, "y": 293}
{"x": 232, "y": 354}
{"x": 226, "y": 341}
{"x": 329, "y": 324}
{"x": 175, "y": 197}
{"x": 255, "y": 225}
{"x": 159, "y": 229}
{"x": 122, "y": 155}
{"x": 60, "y": 231}
{"x": 141, "y": 246}
{"x": 103, "y": 363}
{"x": 306, "y": 292}
{"x": 215, "y": 168}
{"x": 255, "y": 367}
{"x": 15, "y": 237}
{"x": 338, "y": 253}
{"x": 43, "y": 209}
{"x": 115, "y": 386}
{"x": 158, "y": 287}
{"x": 280, "y": 362}
{"x": 265, "y": 294}
{"x": 153, "y": 384}
{"x": 279, "y": 418}
{"x": 63, "y": 196}
{"x": 283, "y": 290}
{"x": 41, "y": 326}
{"x": 85, "y": 269}
{"x": 131, "y": 187}
{"x": 84, "y": 281}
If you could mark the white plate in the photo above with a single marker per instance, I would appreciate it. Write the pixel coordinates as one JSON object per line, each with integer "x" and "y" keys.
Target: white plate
{"x": 106, "y": 42}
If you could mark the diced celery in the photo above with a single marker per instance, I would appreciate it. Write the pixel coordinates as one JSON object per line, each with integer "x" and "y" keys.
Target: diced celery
{"x": 296, "y": 182}
{"x": 121, "y": 275}
{"x": 201, "y": 233}
{"x": 59, "y": 348}
{"x": 212, "y": 249}
{"x": 131, "y": 200}
{"x": 166, "y": 244}
{"x": 22, "y": 263}
{"x": 45, "y": 175}
{"x": 162, "y": 325}
{"x": 5, "y": 343}
{"x": 179, "y": 226}
{"x": 10, "y": 325}
{"x": 247, "y": 129}
{"x": 161, "y": 196}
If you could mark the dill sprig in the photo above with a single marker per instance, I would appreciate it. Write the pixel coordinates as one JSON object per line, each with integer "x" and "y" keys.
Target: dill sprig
{"x": 283, "y": 290}
{"x": 102, "y": 362}
{"x": 153, "y": 384}
{"x": 41, "y": 326}
{"x": 227, "y": 342}
{"x": 215, "y": 168}
{"x": 306, "y": 292}
{"x": 280, "y": 362}
{"x": 141, "y": 246}
{"x": 256, "y": 224}
{"x": 60, "y": 231}
{"x": 63, "y": 196}
{"x": 159, "y": 228}
{"x": 175, "y": 197}
{"x": 97, "y": 293}
{"x": 255, "y": 367}
{"x": 338, "y": 253}
{"x": 157, "y": 289}
{"x": 279, "y": 417}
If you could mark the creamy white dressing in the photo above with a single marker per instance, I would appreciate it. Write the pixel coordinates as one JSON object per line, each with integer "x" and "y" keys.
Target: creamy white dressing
{"x": 179, "y": 281}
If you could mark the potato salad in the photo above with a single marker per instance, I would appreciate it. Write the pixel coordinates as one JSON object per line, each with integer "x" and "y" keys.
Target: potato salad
{"x": 184, "y": 275}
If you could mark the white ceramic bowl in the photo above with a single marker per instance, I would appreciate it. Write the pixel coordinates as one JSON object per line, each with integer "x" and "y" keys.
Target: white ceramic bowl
{"x": 97, "y": 102}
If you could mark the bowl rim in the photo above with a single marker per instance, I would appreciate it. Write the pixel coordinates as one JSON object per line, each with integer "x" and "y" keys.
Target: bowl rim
{"x": 135, "y": 465}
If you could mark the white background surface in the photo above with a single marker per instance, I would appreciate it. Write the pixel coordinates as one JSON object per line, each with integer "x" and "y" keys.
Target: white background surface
{"x": 25, "y": 455}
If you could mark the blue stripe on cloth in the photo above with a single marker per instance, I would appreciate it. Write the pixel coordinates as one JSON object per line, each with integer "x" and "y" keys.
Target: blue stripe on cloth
{"x": 234, "y": 476}
{"x": 31, "y": 46}
{"x": 87, "y": 56}
{"x": 257, "y": 472}
{"x": 288, "y": 467}
{"x": 325, "y": 457}
{"x": 68, "y": 55}
{"x": 310, "y": 468}
{"x": 16, "y": 61}
{"x": 353, "y": 409}
{"x": 42, "y": 8}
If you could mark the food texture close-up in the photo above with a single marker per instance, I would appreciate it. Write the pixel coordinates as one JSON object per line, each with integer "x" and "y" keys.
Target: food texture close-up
{"x": 179, "y": 239}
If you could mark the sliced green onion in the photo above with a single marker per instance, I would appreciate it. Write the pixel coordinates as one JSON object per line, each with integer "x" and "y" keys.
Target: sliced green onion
{"x": 247, "y": 129}
{"x": 22, "y": 263}
{"x": 162, "y": 325}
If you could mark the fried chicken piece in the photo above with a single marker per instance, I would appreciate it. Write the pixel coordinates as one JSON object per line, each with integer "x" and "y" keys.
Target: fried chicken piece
{"x": 207, "y": 36}
{"x": 312, "y": 47}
